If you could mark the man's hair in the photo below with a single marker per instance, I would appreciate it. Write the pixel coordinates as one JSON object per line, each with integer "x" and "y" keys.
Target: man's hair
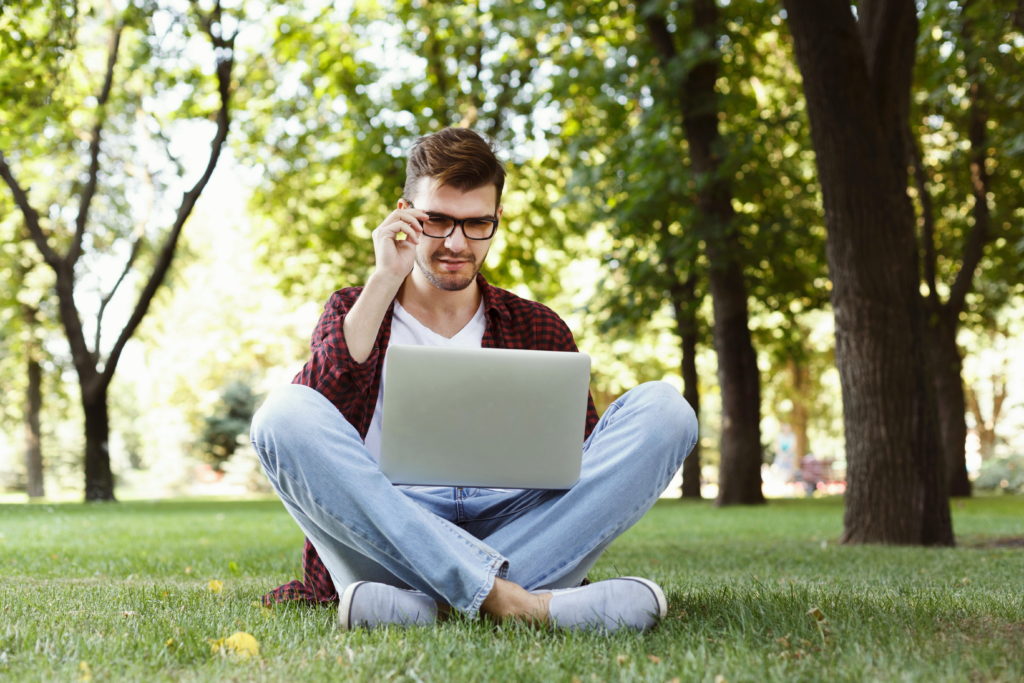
{"x": 457, "y": 157}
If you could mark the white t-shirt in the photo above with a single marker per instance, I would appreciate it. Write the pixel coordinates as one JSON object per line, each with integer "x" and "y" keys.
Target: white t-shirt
{"x": 406, "y": 329}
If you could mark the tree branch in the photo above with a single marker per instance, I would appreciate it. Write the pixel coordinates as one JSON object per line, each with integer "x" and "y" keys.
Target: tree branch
{"x": 974, "y": 406}
{"x": 94, "y": 147}
{"x": 998, "y": 394}
{"x": 136, "y": 247}
{"x": 35, "y": 230}
{"x": 137, "y": 237}
{"x": 974, "y": 247}
{"x": 224, "y": 46}
{"x": 929, "y": 256}
{"x": 660, "y": 35}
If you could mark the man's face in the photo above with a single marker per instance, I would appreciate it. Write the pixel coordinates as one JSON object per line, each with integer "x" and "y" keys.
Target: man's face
{"x": 451, "y": 263}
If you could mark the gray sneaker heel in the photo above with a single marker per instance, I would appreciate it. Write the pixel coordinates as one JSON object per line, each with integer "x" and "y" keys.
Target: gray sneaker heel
{"x": 367, "y": 604}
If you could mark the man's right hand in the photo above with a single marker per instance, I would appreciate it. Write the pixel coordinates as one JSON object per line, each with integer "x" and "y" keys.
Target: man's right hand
{"x": 396, "y": 257}
{"x": 395, "y": 260}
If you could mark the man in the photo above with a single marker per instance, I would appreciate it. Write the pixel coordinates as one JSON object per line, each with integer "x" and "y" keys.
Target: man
{"x": 404, "y": 555}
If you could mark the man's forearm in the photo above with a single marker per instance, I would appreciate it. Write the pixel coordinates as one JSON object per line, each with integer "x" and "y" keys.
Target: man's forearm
{"x": 363, "y": 322}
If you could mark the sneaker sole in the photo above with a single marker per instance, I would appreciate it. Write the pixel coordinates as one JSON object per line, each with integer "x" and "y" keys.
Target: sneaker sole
{"x": 345, "y": 607}
{"x": 659, "y": 595}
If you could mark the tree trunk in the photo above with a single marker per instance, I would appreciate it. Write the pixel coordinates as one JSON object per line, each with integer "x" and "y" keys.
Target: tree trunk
{"x": 35, "y": 487}
{"x": 946, "y": 369}
{"x": 799, "y": 417}
{"x": 99, "y": 480}
{"x": 857, "y": 85}
{"x": 686, "y": 324}
{"x": 986, "y": 427}
{"x": 740, "y": 469}
{"x": 33, "y": 444}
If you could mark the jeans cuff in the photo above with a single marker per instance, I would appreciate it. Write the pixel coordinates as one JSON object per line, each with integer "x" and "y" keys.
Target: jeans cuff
{"x": 498, "y": 568}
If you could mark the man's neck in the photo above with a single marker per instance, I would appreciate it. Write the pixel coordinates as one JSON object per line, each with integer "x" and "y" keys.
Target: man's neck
{"x": 445, "y": 312}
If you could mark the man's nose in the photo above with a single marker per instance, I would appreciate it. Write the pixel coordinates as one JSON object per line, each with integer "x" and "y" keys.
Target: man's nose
{"x": 457, "y": 240}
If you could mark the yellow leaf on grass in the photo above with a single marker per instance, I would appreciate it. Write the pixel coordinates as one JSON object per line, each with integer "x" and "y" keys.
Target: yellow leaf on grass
{"x": 240, "y": 644}
{"x": 215, "y": 586}
{"x": 84, "y": 672}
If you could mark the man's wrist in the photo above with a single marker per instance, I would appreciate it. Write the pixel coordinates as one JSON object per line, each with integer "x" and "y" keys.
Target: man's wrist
{"x": 388, "y": 283}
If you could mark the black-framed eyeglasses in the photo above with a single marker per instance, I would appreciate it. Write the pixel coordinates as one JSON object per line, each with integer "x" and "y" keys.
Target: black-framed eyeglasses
{"x": 439, "y": 226}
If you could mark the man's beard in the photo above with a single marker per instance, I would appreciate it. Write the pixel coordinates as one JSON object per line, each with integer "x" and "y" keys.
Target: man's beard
{"x": 449, "y": 282}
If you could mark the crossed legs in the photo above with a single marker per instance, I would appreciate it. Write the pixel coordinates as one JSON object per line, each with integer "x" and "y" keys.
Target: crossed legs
{"x": 490, "y": 554}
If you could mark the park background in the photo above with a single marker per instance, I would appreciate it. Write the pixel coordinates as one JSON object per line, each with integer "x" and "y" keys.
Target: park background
{"x": 661, "y": 170}
{"x": 807, "y": 216}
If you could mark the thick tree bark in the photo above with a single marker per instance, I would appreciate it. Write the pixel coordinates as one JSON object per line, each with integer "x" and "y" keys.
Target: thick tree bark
{"x": 857, "y": 79}
{"x": 740, "y": 469}
{"x": 99, "y": 479}
{"x": 33, "y": 443}
{"x": 946, "y": 366}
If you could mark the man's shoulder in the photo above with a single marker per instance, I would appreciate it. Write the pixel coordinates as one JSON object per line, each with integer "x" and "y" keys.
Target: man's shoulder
{"x": 344, "y": 298}
{"x": 520, "y": 307}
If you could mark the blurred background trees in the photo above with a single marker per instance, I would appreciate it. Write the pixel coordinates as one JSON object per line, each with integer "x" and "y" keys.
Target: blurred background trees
{"x": 664, "y": 196}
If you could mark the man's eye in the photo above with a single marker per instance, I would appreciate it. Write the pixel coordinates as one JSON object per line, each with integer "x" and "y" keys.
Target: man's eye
{"x": 479, "y": 224}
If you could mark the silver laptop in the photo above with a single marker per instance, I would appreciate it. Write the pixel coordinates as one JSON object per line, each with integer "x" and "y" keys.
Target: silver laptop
{"x": 484, "y": 417}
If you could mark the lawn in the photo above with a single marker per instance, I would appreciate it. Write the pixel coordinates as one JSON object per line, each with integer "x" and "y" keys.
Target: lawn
{"x": 123, "y": 592}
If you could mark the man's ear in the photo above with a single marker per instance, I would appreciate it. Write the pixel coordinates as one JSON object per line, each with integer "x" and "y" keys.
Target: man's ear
{"x": 501, "y": 209}
{"x": 402, "y": 204}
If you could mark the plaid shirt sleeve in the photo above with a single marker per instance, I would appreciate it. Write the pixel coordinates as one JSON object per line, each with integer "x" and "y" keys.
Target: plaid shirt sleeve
{"x": 331, "y": 370}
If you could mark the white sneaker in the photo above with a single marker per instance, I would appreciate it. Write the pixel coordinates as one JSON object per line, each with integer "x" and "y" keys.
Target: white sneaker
{"x": 369, "y": 605}
{"x": 627, "y": 602}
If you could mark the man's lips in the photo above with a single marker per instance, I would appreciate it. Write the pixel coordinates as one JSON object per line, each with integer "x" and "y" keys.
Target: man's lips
{"x": 453, "y": 263}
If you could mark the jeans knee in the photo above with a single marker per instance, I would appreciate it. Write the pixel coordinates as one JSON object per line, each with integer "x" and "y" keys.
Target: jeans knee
{"x": 283, "y": 411}
{"x": 669, "y": 413}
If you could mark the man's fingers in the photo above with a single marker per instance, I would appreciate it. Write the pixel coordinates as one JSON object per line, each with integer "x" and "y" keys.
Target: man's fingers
{"x": 407, "y": 226}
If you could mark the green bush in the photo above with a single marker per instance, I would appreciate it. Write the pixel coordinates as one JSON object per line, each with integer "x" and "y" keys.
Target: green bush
{"x": 1004, "y": 474}
{"x": 229, "y": 421}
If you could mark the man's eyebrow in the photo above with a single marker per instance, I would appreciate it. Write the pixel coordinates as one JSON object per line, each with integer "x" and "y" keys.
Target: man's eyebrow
{"x": 492, "y": 216}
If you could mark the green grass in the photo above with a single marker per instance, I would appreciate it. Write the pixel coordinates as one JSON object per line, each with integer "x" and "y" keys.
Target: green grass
{"x": 124, "y": 588}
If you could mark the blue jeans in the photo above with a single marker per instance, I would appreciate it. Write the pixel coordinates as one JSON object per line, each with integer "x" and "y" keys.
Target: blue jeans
{"x": 451, "y": 543}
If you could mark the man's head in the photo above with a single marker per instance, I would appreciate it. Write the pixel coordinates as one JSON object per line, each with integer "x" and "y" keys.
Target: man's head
{"x": 453, "y": 173}
{"x": 457, "y": 157}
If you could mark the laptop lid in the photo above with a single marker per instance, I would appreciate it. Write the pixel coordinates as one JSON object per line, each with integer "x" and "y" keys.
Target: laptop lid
{"x": 484, "y": 417}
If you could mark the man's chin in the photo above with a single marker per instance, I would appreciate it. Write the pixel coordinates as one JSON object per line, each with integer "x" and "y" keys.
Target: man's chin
{"x": 449, "y": 282}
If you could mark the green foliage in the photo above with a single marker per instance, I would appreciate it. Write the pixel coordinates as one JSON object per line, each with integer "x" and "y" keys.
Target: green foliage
{"x": 37, "y": 40}
{"x": 1005, "y": 475}
{"x": 229, "y": 420}
{"x": 970, "y": 58}
{"x": 133, "y": 601}
{"x": 336, "y": 101}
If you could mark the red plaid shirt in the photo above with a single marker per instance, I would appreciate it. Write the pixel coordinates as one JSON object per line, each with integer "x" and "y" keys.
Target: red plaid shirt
{"x": 512, "y": 323}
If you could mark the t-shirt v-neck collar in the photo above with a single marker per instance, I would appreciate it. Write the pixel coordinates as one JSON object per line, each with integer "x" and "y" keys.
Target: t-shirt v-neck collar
{"x": 470, "y": 328}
